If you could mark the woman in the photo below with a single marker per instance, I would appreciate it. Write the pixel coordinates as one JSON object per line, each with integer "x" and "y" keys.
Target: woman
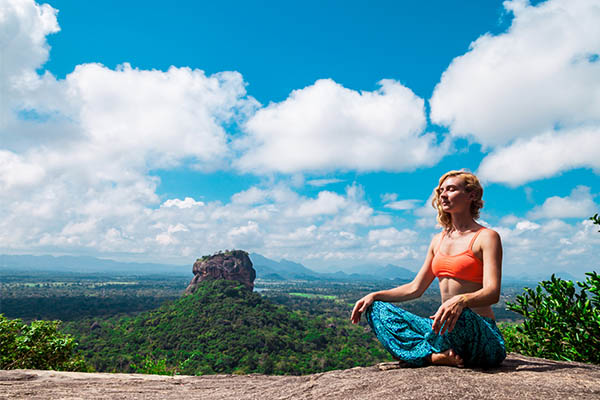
{"x": 467, "y": 260}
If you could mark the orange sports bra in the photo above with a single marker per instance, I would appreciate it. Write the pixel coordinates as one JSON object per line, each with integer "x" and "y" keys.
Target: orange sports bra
{"x": 463, "y": 265}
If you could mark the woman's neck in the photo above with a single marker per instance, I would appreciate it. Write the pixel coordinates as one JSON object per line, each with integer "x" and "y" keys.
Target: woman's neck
{"x": 463, "y": 222}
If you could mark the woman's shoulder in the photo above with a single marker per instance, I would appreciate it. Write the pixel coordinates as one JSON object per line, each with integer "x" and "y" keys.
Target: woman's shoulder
{"x": 435, "y": 240}
{"x": 437, "y": 237}
{"x": 489, "y": 235}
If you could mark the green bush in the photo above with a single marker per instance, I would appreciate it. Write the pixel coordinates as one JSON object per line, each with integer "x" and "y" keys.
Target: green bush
{"x": 561, "y": 322}
{"x": 39, "y": 345}
{"x": 151, "y": 366}
{"x": 512, "y": 337}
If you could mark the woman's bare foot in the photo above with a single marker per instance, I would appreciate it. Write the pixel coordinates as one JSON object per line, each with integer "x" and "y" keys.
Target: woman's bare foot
{"x": 448, "y": 357}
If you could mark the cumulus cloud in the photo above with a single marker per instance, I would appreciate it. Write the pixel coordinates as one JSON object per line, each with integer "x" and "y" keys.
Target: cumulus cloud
{"x": 323, "y": 182}
{"x": 391, "y": 237}
{"x": 403, "y": 204}
{"x": 25, "y": 26}
{"x": 326, "y": 127}
{"x": 76, "y": 152}
{"x": 251, "y": 196}
{"x": 188, "y": 202}
{"x": 16, "y": 171}
{"x": 539, "y": 249}
{"x": 533, "y": 89}
{"x": 542, "y": 156}
{"x": 283, "y": 224}
{"x": 162, "y": 117}
{"x": 325, "y": 203}
{"x": 579, "y": 204}
{"x": 541, "y": 73}
{"x": 169, "y": 237}
{"x": 387, "y": 197}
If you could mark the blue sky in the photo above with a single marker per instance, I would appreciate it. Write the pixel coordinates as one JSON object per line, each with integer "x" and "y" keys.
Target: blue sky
{"x": 313, "y": 132}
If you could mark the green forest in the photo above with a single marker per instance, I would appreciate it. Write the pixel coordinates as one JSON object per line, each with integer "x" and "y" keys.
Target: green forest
{"x": 225, "y": 328}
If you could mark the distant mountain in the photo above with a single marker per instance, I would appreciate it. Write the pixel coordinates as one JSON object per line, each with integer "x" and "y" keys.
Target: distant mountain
{"x": 265, "y": 268}
{"x": 269, "y": 269}
{"x": 86, "y": 264}
{"x": 384, "y": 272}
{"x": 284, "y": 268}
{"x": 538, "y": 277}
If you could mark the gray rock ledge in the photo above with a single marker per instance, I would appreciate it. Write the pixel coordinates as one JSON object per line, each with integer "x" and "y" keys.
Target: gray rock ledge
{"x": 519, "y": 377}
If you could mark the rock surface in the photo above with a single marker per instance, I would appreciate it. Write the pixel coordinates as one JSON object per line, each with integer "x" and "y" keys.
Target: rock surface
{"x": 519, "y": 377}
{"x": 234, "y": 265}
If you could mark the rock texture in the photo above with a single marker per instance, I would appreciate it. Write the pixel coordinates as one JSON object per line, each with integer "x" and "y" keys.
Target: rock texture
{"x": 519, "y": 377}
{"x": 234, "y": 265}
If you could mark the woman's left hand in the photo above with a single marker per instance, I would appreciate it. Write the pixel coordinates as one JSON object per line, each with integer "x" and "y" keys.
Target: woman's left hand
{"x": 447, "y": 315}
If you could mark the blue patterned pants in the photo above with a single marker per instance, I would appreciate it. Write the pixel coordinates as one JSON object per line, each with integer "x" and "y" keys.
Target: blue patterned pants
{"x": 410, "y": 338}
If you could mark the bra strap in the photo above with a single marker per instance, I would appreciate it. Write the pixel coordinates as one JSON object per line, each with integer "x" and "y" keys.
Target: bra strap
{"x": 475, "y": 237}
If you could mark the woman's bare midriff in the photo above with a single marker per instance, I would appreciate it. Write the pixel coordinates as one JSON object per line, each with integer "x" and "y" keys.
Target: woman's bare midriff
{"x": 450, "y": 287}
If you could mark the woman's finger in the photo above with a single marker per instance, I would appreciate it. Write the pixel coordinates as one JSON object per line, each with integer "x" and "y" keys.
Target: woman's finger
{"x": 437, "y": 321}
{"x": 444, "y": 321}
{"x": 354, "y": 310}
{"x": 358, "y": 309}
{"x": 453, "y": 323}
{"x": 447, "y": 325}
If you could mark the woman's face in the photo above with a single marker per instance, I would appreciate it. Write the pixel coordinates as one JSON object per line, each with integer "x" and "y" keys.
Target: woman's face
{"x": 452, "y": 195}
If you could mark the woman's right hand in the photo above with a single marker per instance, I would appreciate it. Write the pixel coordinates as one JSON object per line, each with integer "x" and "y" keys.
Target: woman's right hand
{"x": 360, "y": 307}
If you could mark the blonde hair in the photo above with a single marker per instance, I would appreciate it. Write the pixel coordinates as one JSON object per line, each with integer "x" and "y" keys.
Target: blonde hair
{"x": 472, "y": 185}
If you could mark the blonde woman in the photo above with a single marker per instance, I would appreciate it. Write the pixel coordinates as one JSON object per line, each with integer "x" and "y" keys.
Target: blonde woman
{"x": 467, "y": 260}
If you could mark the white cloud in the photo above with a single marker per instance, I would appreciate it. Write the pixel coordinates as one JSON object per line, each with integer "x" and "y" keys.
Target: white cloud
{"x": 245, "y": 236}
{"x": 526, "y": 226}
{"x": 16, "y": 171}
{"x": 23, "y": 29}
{"x": 188, "y": 202}
{"x": 169, "y": 237}
{"x": 388, "y": 197}
{"x": 77, "y": 172}
{"x": 326, "y": 127}
{"x": 25, "y": 26}
{"x": 542, "y": 156}
{"x": 391, "y": 237}
{"x": 403, "y": 204}
{"x": 251, "y": 196}
{"x": 426, "y": 213}
{"x": 325, "y": 203}
{"x": 532, "y": 249}
{"x": 579, "y": 204}
{"x": 539, "y": 74}
{"x": 154, "y": 116}
{"x": 531, "y": 93}
{"x": 323, "y": 182}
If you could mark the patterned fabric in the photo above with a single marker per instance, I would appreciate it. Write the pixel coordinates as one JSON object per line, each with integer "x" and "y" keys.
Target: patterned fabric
{"x": 410, "y": 338}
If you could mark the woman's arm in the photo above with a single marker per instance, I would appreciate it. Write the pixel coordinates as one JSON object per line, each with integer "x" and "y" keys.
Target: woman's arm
{"x": 409, "y": 291}
{"x": 449, "y": 312}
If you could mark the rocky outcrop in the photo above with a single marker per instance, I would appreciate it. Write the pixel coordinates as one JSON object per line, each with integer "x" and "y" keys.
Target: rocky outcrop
{"x": 519, "y": 377}
{"x": 234, "y": 265}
